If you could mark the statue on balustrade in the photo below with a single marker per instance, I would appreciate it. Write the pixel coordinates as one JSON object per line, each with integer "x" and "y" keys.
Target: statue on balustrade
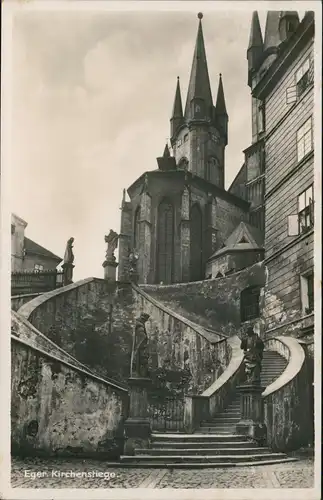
{"x": 69, "y": 256}
{"x": 253, "y": 348}
{"x": 112, "y": 240}
{"x": 140, "y": 353}
{"x": 68, "y": 265}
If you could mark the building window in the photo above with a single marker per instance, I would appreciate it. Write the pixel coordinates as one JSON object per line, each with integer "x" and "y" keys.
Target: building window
{"x": 185, "y": 137}
{"x": 303, "y": 77}
{"x": 307, "y": 293}
{"x": 13, "y": 229}
{"x": 136, "y": 228}
{"x": 165, "y": 242}
{"x": 306, "y": 210}
{"x": 38, "y": 268}
{"x": 261, "y": 118}
{"x": 249, "y": 303}
{"x": 304, "y": 139}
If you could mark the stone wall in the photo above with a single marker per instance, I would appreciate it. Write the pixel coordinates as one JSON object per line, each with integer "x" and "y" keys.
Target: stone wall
{"x": 213, "y": 303}
{"x": 289, "y": 425}
{"x": 92, "y": 320}
{"x": 59, "y": 409}
{"x": 190, "y": 357}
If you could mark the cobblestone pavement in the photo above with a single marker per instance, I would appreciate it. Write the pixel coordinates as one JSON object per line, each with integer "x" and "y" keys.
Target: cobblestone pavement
{"x": 51, "y": 475}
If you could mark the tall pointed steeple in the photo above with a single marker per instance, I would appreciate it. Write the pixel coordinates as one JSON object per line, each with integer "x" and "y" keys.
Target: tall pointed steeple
{"x": 177, "y": 114}
{"x": 221, "y": 114}
{"x": 199, "y": 97}
{"x": 255, "y": 47}
{"x": 272, "y": 37}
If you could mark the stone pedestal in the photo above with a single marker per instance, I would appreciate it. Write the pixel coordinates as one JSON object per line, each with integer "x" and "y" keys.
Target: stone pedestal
{"x": 137, "y": 427}
{"x": 251, "y": 423}
{"x": 110, "y": 268}
{"x": 67, "y": 273}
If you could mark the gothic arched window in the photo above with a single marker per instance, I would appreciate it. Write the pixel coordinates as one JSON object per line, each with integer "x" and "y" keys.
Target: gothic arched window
{"x": 196, "y": 271}
{"x": 165, "y": 241}
{"x": 212, "y": 171}
{"x": 136, "y": 228}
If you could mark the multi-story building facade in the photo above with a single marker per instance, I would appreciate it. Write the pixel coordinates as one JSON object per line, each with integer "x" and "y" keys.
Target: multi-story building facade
{"x": 281, "y": 80}
{"x": 26, "y": 254}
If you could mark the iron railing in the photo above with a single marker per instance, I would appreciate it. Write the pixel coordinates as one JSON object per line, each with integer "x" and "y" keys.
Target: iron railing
{"x": 166, "y": 414}
{"x": 23, "y": 282}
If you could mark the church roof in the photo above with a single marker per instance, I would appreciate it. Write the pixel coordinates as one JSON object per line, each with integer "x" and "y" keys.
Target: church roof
{"x": 244, "y": 237}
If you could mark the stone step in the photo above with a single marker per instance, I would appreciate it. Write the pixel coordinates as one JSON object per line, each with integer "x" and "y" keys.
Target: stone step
{"x": 203, "y": 465}
{"x": 221, "y": 431}
{"x": 200, "y": 444}
{"x": 233, "y": 459}
{"x": 185, "y": 438}
{"x": 219, "y": 421}
{"x": 202, "y": 451}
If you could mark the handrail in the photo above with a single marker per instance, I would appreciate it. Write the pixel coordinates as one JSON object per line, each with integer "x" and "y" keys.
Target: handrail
{"x": 204, "y": 332}
{"x": 231, "y": 369}
{"x": 296, "y": 358}
{"x": 69, "y": 365}
{"x": 27, "y": 309}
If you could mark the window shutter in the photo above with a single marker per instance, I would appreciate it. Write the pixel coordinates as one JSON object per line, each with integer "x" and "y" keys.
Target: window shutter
{"x": 293, "y": 229}
{"x": 311, "y": 209}
{"x": 291, "y": 94}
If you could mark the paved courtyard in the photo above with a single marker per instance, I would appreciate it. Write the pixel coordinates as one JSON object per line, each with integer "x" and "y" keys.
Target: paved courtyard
{"x": 95, "y": 474}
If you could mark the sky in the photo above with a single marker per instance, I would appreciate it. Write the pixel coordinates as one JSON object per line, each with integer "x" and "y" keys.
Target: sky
{"x": 92, "y": 95}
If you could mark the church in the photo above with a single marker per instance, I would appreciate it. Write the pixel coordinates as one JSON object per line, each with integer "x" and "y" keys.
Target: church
{"x": 182, "y": 222}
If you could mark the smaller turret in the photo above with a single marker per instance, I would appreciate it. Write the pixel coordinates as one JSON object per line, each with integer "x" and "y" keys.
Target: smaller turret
{"x": 255, "y": 48}
{"x": 177, "y": 115}
{"x": 220, "y": 112}
{"x": 272, "y": 37}
{"x": 166, "y": 162}
{"x": 288, "y": 23}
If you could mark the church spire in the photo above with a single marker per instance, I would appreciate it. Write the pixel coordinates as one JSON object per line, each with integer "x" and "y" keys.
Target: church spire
{"x": 255, "y": 47}
{"x": 272, "y": 37}
{"x": 166, "y": 153}
{"x": 220, "y": 107}
{"x": 199, "y": 97}
{"x": 177, "y": 114}
{"x": 221, "y": 114}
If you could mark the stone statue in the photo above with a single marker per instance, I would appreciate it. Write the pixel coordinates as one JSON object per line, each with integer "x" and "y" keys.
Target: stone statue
{"x": 112, "y": 241}
{"x": 69, "y": 256}
{"x": 253, "y": 348}
{"x": 140, "y": 354}
{"x": 133, "y": 260}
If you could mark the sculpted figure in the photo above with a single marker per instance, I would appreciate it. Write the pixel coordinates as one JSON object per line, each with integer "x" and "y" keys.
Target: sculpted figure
{"x": 133, "y": 259}
{"x": 112, "y": 241}
{"x": 140, "y": 354}
{"x": 253, "y": 348}
{"x": 69, "y": 256}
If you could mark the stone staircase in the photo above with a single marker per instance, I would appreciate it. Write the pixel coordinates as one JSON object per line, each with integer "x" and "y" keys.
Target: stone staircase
{"x": 215, "y": 443}
{"x": 273, "y": 365}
